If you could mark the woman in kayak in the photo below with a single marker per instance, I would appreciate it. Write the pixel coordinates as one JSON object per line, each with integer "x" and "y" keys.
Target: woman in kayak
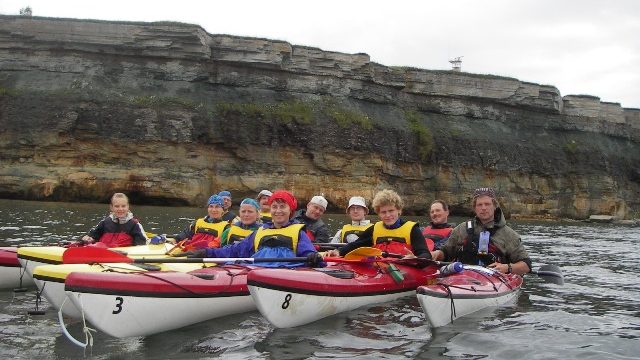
{"x": 280, "y": 238}
{"x": 357, "y": 211}
{"x": 249, "y": 222}
{"x": 120, "y": 228}
{"x": 486, "y": 239}
{"x": 391, "y": 234}
{"x": 206, "y": 231}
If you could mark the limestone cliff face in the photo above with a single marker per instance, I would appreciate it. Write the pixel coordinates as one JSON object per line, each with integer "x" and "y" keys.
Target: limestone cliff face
{"x": 170, "y": 114}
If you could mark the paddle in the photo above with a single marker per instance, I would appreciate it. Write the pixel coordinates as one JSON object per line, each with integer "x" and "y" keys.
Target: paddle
{"x": 550, "y": 273}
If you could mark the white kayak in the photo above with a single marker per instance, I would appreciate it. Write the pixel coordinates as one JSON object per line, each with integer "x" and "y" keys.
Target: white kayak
{"x": 472, "y": 289}
{"x": 141, "y": 304}
{"x": 12, "y": 275}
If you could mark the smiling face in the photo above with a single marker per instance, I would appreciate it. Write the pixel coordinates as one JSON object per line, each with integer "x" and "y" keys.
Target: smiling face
{"x": 280, "y": 213}
{"x": 357, "y": 213}
{"x": 248, "y": 214}
{"x": 215, "y": 211}
{"x": 438, "y": 214}
{"x": 389, "y": 214}
{"x": 484, "y": 208}
{"x": 119, "y": 207}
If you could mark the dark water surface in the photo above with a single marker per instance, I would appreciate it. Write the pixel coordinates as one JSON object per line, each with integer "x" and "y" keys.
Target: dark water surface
{"x": 595, "y": 315}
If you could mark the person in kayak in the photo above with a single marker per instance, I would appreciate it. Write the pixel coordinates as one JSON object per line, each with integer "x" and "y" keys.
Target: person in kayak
{"x": 281, "y": 238}
{"x": 265, "y": 209}
{"x": 120, "y": 228}
{"x": 249, "y": 222}
{"x": 438, "y": 230}
{"x": 316, "y": 229}
{"x": 206, "y": 231}
{"x": 392, "y": 233}
{"x": 486, "y": 239}
{"x": 357, "y": 210}
{"x": 228, "y": 214}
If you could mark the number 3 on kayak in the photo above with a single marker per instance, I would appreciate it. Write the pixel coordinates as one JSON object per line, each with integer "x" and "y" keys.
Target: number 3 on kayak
{"x": 119, "y": 301}
{"x": 287, "y": 299}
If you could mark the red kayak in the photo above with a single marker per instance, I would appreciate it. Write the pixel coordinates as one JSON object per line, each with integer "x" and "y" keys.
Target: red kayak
{"x": 468, "y": 291}
{"x": 293, "y": 297}
{"x": 139, "y": 304}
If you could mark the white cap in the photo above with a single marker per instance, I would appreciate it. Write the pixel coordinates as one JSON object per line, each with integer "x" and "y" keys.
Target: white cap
{"x": 358, "y": 201}
{"x": 319, "y": 200}
{"x": 266, "y": 193}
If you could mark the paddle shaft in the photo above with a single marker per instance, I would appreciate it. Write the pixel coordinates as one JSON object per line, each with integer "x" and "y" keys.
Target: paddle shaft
{"x": 217, "y": 260}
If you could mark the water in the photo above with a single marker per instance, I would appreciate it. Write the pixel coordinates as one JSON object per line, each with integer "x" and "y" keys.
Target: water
{"x": 595, "y": 315}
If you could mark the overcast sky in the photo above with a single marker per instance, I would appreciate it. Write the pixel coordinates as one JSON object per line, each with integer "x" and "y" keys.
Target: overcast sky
{"x": 587, "y": 47}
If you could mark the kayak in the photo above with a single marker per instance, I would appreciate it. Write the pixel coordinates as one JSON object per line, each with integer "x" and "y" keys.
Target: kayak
{"x": 145, "y": 303}
{"x": 294, "y": 297}
{"x": 460, "y": 294}
{"x": 33, "y": 256}
{"x": 12, "y": 275}
{"x": 52, "y": 277}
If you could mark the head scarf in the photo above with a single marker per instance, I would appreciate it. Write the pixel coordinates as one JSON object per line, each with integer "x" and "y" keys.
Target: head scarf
{"x": 486, "y": 191}
{"x": 249, "y": 201}
{"x": 215, "y": 199}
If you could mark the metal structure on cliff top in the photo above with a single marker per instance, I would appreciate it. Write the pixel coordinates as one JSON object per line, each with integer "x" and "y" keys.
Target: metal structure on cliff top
{"x": 456, "y": 63}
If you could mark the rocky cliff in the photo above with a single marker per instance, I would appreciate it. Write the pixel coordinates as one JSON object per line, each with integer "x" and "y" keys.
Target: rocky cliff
{"x": 170, "y": 114}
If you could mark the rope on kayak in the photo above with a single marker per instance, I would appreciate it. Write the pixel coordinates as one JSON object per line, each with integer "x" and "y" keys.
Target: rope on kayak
{"x": 88, "y": 337}
{"x": 453, "y": 305}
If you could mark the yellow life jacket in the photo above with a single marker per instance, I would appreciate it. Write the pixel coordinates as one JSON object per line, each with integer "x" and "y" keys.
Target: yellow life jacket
{"x": 286, "y": 236}
{"x": 265, "y": 216}
{"x": 349, "y": 229}
{"x": 236, "y": 234}
{"x": 402, "y": 234}
{"x": 215, "y": 229}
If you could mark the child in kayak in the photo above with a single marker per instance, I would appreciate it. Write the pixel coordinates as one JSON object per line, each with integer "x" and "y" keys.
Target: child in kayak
{"x": 391, "y": 234}
{"x": 249, "y": 222}
{"x": 206, "y": 231}
{"x": 357, "y": 211}
{"x": 281, "y": 238}
{"x": 118, "y": 229}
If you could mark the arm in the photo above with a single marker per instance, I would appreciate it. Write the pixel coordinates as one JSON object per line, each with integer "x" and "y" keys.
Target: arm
{"x": 322, "y": 233}
{"x": 186, "y": 233}
{"x": 241, "y": 249}
{"x": 448, "y": 251}
{"x": 418, "y": 243}
{"x": 138, "y": 234}
{"x": 95, "y": 233}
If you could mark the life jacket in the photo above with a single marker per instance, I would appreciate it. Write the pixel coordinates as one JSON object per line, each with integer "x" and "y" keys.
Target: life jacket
{"x": 237, "y": 233}
{"x": 436, "y": 236}
{"x": 287, "y": 237}
{"x": 468, "y": 252}
{"x": 118, "y": 235}
{"x": 265, "y": 217}
{"x": 349, "y": 229}
{"x": 397, "y": 241}
{"x": 206, "y": 234}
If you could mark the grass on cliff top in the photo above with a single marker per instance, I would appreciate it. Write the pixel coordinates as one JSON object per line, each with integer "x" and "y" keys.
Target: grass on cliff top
{"x": 423, "y": 134}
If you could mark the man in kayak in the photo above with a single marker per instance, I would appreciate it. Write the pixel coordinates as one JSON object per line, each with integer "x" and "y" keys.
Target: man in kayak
{"x": 281, "y": 238}
{"x": 265, "y": 209}
{"x": 120, "y": 228}
{"x": 357, "y": 211}
{"x": 486, "y": 239}
{"x": 316, "y": 229}
{"x": 391, "y": 234}
{"x": 438, "y": 230}
{"x": 228, "y": 214}
{"x": 206, "y": 231}
{"x": 249, "y": 222}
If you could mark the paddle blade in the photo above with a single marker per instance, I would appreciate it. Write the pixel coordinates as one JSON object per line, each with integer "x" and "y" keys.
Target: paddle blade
{"x": 90, "y": 254}
{"x": 550, "y": 273}
{"x": 363, "y": 253}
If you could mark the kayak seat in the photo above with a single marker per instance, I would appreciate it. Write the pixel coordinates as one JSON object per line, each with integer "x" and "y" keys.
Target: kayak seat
{"x": 204, "y": 276}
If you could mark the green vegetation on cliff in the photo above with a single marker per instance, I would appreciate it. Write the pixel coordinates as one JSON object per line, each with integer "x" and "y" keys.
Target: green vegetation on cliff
{"x": 422, "y": 133}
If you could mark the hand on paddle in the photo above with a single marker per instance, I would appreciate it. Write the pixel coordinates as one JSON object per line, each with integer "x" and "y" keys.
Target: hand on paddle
{"x": 314, "y": 259}
{"x": 332, "y": 253}
{"x": 191, "y": 254}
